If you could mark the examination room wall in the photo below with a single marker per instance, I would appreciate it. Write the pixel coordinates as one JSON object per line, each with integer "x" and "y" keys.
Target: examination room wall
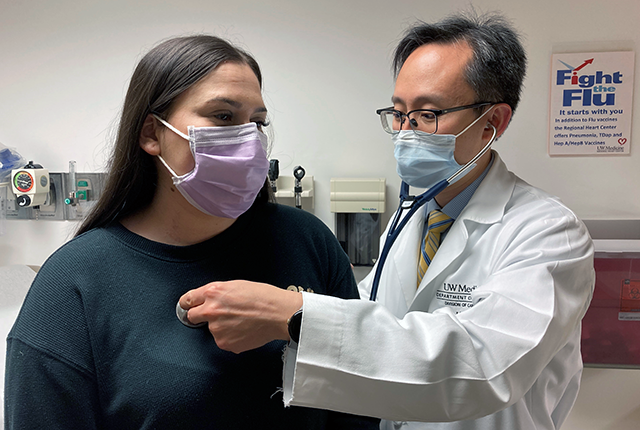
{"x": 326, "y": 65}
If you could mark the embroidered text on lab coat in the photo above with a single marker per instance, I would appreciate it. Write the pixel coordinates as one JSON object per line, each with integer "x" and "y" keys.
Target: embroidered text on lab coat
{"x": 456, "y": 296}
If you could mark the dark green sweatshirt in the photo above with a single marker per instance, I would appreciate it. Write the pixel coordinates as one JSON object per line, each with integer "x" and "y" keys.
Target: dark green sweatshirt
{"x": 97, "y": 344}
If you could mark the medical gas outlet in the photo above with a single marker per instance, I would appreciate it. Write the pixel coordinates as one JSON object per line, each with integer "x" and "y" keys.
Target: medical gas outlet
{"x": 30, "y": 185}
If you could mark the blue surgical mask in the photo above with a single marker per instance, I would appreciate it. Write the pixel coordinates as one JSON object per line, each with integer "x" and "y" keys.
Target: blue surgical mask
{"x": 426, "y": 159}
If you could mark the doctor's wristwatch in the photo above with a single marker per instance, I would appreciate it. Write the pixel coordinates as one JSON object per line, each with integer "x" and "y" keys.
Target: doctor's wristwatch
{"x": 294, "y": 323}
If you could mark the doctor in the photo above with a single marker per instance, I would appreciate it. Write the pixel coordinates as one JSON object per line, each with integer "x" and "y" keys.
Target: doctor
{"x": 485, "y": 334}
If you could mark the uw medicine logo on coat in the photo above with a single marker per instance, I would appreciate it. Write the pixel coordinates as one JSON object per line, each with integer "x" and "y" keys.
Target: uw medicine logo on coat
{"x": 590, "y": 103}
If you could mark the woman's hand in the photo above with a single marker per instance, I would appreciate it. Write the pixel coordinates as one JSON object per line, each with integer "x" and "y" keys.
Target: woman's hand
{"x": 242, "y": 315}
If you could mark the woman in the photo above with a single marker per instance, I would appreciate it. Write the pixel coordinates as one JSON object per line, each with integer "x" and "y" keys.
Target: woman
{"x": 97, "y": 343}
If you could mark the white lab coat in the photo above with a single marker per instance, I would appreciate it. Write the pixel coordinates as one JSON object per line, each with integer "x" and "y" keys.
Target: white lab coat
{"x": 491, "y": 338}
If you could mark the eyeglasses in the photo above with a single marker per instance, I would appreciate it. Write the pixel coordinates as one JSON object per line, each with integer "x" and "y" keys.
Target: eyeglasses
{"x": 425, "y": 120}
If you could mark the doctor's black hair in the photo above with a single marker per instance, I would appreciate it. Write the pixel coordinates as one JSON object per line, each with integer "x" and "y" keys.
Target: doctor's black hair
{"x": 497, "y": 69}
{"x": 164, "y": 73}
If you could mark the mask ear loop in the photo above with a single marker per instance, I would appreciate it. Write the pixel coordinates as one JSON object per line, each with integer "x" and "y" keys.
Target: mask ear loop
{"x": 179, "y": 133}
{"x": 170, "y": 127}
{"x": 471, "y": 162}
{"x": 167, "y": 166}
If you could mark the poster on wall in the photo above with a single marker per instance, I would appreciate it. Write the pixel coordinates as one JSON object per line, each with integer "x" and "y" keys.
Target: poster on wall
{"x": 590, "y": 104}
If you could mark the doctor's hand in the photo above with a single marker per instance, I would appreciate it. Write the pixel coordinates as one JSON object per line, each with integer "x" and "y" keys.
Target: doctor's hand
{"x": 242, "y": 315}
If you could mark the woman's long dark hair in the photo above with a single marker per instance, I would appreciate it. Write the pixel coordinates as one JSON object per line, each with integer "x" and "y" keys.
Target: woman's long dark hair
{"x": 162, "y": 75}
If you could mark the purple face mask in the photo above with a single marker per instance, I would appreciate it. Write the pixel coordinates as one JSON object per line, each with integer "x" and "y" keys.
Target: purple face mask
{"x": 231, "y": 168}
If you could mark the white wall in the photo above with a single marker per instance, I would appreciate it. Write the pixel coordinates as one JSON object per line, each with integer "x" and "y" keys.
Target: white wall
{"x": 65, "y": 66}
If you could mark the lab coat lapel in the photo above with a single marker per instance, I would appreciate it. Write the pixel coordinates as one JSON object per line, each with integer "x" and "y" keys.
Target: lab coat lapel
{"x": 405, "y": 257}
{"x": 487, "y": 206}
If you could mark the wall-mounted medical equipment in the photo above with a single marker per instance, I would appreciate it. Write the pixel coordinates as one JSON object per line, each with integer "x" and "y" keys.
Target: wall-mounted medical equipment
{"x": 358, "y": 205}
{"x": 298, "y": 174}
{"x": 30, "y": 185}
{"x": 70, "y": 195}
{"x": 296, "y": 190}
{"x": 274, "y": 172}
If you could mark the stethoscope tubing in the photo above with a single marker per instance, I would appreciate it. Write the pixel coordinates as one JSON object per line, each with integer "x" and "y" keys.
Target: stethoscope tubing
{"x": 395, "y": 229}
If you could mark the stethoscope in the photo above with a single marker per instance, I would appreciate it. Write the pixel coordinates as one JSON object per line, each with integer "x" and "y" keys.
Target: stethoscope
{"x": 413, "y": 203}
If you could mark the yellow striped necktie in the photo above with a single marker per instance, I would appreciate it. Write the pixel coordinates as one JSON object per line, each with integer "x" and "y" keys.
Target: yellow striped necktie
{"x": 437, "y": 224}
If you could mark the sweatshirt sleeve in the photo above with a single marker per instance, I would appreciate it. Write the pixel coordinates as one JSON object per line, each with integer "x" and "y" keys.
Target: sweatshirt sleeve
{"x": 50, "y": 379}
{"x": 43, "y": 391}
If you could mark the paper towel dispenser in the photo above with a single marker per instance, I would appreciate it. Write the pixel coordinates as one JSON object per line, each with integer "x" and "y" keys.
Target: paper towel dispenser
{"x": 358, "y": 204}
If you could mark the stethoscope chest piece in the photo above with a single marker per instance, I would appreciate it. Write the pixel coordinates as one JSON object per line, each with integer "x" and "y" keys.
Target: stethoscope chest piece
{"x": 182, "y": 316}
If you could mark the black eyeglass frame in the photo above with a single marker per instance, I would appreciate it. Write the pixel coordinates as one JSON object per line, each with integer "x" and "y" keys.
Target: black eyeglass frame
{"x": 436, "y": 113}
